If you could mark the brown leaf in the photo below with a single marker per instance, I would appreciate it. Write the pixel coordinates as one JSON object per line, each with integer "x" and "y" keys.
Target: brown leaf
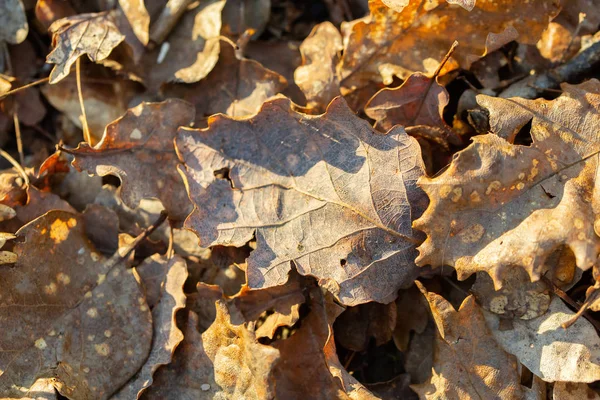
{"x": 225, "y": 362}
{"x": 547, "y": 349}
{"x": 356, "y": 326}
{"x": 500, "y": 205}
{"x": 241, "y": 15}
{"x": 72, "y": 316}
{"x": 420, "y": 100}
{"x": 468, "y": 362}
{"x": 236, "y": 87}
{"x": 570, "y": 390}
{"x": 318, "y": 75}
{"x": 13, "y": 22}
{"x": 94, "y": 34}
{"x": 325, "y": 192}
{"x": 138, "y": 149}
{"x": 412, "y": 315}
{"x": 138, "y": 18}
{"x": 163, "y": 280}
{"x": 398, "y": 43}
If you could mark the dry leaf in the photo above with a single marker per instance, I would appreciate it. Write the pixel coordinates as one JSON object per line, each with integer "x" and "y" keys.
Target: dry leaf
{"x": 138, "y": 18}
{"x": 569, "y": 390}
{"x": 236, "y": 87}
{"x": 241, "y": 15}
{"x": 84, "y": 322}
{"x": 13, "y": 22}
{"x": 356, "y": 326}
{"x": 139, "y": 145}
{"x": 163, "y": 280}
{"x": 398, "y": 43}
{"x": 94, "y": 34}
{"x": 547, "y": 349}
{"x": 325, "y": 192}
{"x": 501, "y": 205}
{"x": 468, "y": 363}
{"x": 318, "y": 75}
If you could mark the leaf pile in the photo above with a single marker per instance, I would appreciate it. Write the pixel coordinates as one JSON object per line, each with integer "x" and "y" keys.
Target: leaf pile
{"x": 275, "y": 199}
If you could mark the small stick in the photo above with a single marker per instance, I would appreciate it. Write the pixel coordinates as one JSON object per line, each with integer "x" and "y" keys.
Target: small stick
{"x": 141, "y": 237}
{"x": 17, "y": 166}
{"x": 167, "y": 20}
{"x": 18, "y": 134}
{"x": 86, "y": 130}
{"x": 581, "y": 309}
{"x": 32, "y": 84}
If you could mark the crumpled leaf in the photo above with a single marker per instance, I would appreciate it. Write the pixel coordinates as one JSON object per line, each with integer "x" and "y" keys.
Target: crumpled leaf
{"x": 501, "y": 205}
{"x": 420, "y": 100}
{"x": 236, "y": 87}
{"x": 138, "y": 18}
{"x": 163, "y": 280}
{"x": 225, "y": 362}
{"x": 398, "y": 43}
{"x": 547, "y": 349}
{"x": 94, "y": 34}
{"x": 468, "y": 363}
{"x": 13, "y": 22}
{"x": 138, "y": 148}
{"x": 318, "y": 75}
{"x": 70, "y": 314}
{"x": 571, "y": 390}
{"x": 325, "y": 192}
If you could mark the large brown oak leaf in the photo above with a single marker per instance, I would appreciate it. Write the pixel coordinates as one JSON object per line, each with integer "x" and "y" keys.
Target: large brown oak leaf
{"x": 325, "y": 192}
{"x": 500, "y": 205}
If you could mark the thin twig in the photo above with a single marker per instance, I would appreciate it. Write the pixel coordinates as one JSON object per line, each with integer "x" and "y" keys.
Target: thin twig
{"x": 32, "y": 84}
{"x": 18, "y": 134}
{"x": 167, "y": 20}
{"x": 170, "y": 249}
{"x": 84, "y": 123}
{"x": 582, "y": 309}
{"x": 17, "y": 166}
{"x": 141, "y": 237}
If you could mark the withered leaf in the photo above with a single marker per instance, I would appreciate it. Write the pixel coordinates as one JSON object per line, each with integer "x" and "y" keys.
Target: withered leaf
{"x": 392, "y": 43}
{"x": 356, "y": 326}
{"x": 547, "y": 349}
{"x": 420, "y": 100}
{"x": 225, "y": 362}
{"x": 325, "y": 192}
{"x": 571, "y": 390}
{"x": 236, "y": 87}
{"x": 70, "y": 315}
{"x": 94, "y": 34}
{"x": 501, "y": 205}
{"x": 138, "y": 148}
{"x": 468, "y": 363}
{"x": 13, "y": 22}
{"x": 138, "y": 18}
{"x": 318, "y": 75}
{"x": 163, "y": 278}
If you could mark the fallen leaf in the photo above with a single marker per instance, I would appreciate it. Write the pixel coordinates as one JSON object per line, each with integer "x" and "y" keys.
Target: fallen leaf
{"x": 138, "y": 18}
{"x": 236, "y": 87}
{"x": 263, "y": 176}
{"x": 391, "y": 43}
{"x": 318, "y": 75}
{"x": 501, "y": 205}
{"x": 13, "y": 22}
{"x": 85, "y": 322}
{"x": 241, "y": 15}
{"x": 570, "y": 390}
{"x": 356, "y": 326}
{"x": 94, "y": 34}
{"x": 547, "y": 349}
{"x": 163, "y": 280}
{"x": 468, "y": 363}
{"x": 139, "y": 145}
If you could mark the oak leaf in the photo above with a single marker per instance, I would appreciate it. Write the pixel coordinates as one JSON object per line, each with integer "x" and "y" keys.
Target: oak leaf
{"x": 392, "y": 43}
{"x": 138, "y": 18}
{"x": 13, "y": 23}
{"x": 318, "y": 76}
{"x": 547, "y": 349}
{"x": 468, "y": 363}
{"x": 94, "y": 34}
{"x": 163, "y": 280}
{"x": 325, "y": 192}
{"x": 236, "y": 87}
{"x": 71, "y": 315}
{"x": 138, "y": 148}
{"x": 500, "y": 205}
